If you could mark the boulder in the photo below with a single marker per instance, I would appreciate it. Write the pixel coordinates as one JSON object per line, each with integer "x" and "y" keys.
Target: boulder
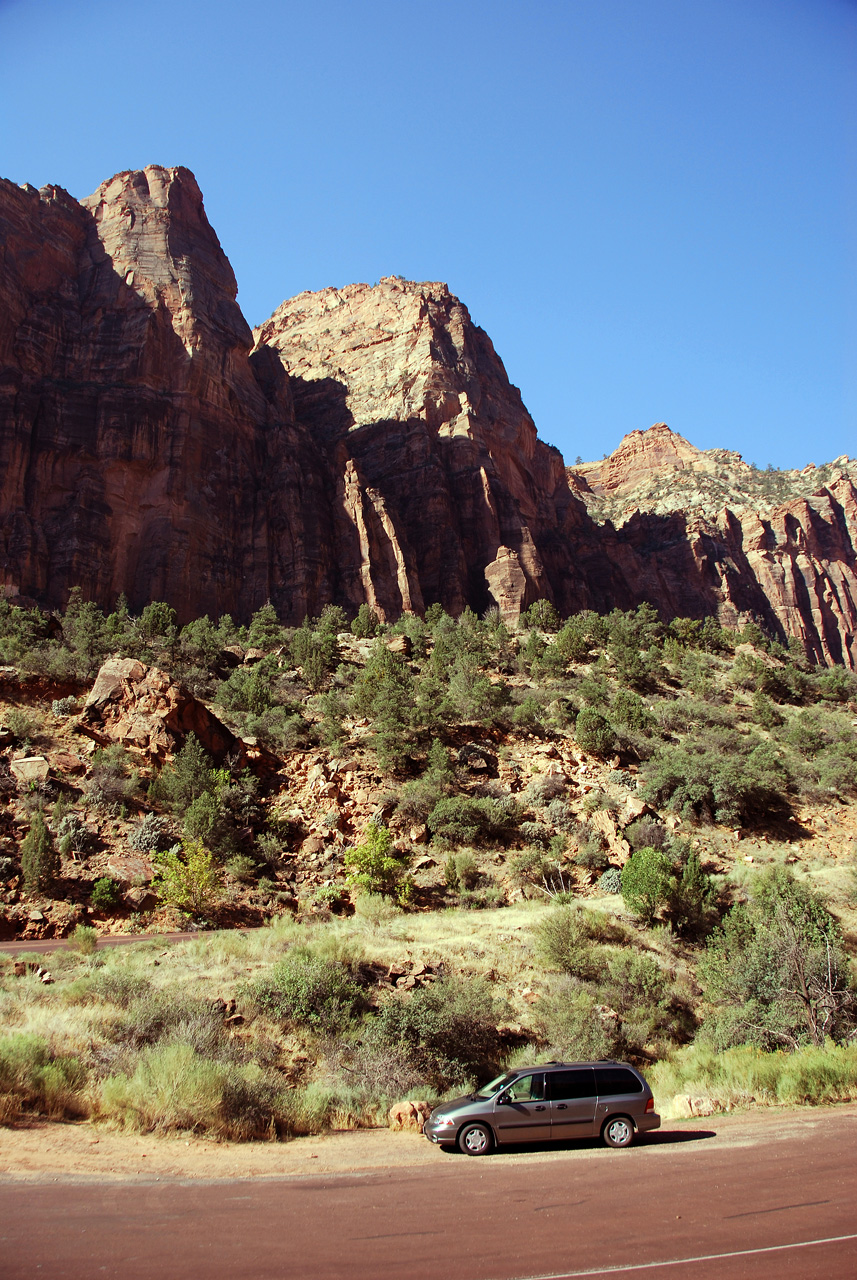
{"x": 130, "y": 870}
{"x": 30, "y": 769}
{"x": 143, "y": 707}
{"x": 409, "y": 1116}
{"x": 141, "y": 899}
{"x": 685, "y": 1106}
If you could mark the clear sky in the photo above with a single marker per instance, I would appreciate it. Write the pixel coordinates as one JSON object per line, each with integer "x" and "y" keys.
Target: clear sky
{"x": 648, "y": 204}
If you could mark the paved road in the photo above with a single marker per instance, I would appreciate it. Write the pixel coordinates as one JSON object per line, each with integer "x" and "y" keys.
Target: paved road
{"x": 48, "y": 945}
{"x": 761, "y": 1202}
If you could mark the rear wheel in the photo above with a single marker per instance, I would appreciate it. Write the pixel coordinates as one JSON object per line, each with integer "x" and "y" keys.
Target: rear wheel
{"x": 618, "y": 1132}
{"x": 475, "y": 1140}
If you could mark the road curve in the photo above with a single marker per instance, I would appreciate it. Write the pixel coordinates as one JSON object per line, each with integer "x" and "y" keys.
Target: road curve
{"x": 774, "y": 1200}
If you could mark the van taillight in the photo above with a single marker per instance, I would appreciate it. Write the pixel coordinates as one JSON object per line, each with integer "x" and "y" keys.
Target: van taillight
{"x": 650, "y": 1105}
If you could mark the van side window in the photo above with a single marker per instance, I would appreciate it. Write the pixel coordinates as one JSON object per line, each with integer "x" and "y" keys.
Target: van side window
{"x": 527, "y": 1089}
{"x": 567, "y": 1085}
{"x": 614, "y": 1080}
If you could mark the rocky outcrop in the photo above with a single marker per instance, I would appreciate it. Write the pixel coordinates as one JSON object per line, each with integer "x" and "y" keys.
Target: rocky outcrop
{"x": 364, "y": 445}
{"x": 144, "y": 708}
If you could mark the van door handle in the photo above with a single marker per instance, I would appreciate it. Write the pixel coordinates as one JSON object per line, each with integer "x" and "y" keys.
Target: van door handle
{"x": 561, "y": 1106}
{"x": 540, "y": 1108}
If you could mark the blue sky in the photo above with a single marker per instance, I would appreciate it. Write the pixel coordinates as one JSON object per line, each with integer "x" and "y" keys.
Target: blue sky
{"x": 648, "y": 204}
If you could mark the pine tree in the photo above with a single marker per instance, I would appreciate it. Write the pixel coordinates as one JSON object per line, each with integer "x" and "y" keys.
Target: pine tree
{"x": 40, "y": 862}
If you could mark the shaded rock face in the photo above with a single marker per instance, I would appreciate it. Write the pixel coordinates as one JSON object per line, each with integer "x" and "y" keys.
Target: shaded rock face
{"x": 364, "y": 444}
{"x": 142, "y": 450}
{"x": 443, "y": 490}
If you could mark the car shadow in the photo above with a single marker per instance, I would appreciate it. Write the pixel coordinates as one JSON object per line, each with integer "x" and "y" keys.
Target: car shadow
{"x": 659, "y": 1138}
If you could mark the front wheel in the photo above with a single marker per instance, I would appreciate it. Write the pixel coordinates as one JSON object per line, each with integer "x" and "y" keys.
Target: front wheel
{"x": 475, "y": 1140}
{"x": 618, "y": 1132}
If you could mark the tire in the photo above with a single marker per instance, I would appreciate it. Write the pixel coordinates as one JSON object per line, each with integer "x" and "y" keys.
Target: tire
{"x": 475, "y": 1140}
{"x": 618, "y": 1131}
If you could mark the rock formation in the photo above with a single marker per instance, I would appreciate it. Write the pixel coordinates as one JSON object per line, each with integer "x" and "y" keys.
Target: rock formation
{"x": 364, "y": 445}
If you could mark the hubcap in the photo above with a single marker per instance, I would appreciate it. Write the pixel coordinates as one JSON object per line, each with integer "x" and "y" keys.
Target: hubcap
{"x": 619, "y": 1131}
{"x": 475, "y": 1141}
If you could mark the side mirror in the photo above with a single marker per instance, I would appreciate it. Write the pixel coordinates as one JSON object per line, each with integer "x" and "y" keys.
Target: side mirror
{"x": 503, "y": 1099}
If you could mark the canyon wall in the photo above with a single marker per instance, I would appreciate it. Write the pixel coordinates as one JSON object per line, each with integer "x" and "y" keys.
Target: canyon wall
{"x": 365, "y": 444}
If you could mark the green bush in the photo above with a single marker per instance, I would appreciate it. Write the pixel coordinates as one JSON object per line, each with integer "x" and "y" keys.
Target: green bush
{"x": 646, "y": 882}
{"x": 448, "y": 1031}
{"x": 467, "y": 820}
{"x": 562, "y": 942}
{"x": 83, "y": 938}
{"x": 190, "y": 880}
{"x": 304, "y": 990}
{"x": 572, "y": 1026}
{"x": 718, "y": 776}
{"x": 376, "y": 867}
{"x": 40, "y": 862}
{"x": 32, "y": 1077}
{"x": 776, "y": 973}
{"x": 594, "y": 733}
{"x": 105, "y": 894}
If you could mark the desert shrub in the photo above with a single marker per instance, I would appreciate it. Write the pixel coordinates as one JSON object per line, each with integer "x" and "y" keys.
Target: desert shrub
{"x": 189, "y": 776}
{"x": 64, "y": 706}
{"x": 562, "y": 942}
{"x": 594, "y": 733}
{"x": 304, "y": 989}
{"x": 646, "y": 882}
{"x": 72, "y": 835}
{"x": 647, "y": 833}
{"x": 610, "y": 881}
{"x": 448, "y": 1031}
{"x": 375, "y": 866}
{"x": 242, "y": 868}
{"x": 691, "y": 899}
{"x": 530, "y": 867}
{"x": 384, "y": 693}
{"x": 33, "y": 1077}
{"x": 629, "y": 710}
{"x": 718, "y": 777}
{"x": 375, "y": 909}
{"x": 835, "y": 685}
{"x": 105, "y": 894}
{"x": 150, "y": 834}
{"x": 535, "y": 833}
{"x": 112, "y": 778}
{"x": 570, "y": 1023}
{"x": 21, "y": 724}
{"x": 172, "y": 1087}
{"x": 591, "y": 853}
{"x": 776, "y": 973}
{"x": 108, "y": 986}
{"x": 560, "y": 815}
{"x": 465, "y": 820}
{"x": 188, "y": 879}
{"x": 40, "y": 863}
{"x": 482, "y": 897}
{"x": 249, "y": 689}
{"x": 419, "y": 797}
{"x": 460, "y": 871}
{"x": 83, "y": 938}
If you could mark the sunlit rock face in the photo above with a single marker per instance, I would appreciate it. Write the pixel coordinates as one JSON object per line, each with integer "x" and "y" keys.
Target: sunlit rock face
{"x": 364, "y": 444}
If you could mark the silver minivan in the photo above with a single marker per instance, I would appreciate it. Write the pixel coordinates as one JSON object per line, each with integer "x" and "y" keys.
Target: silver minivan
{"x": 554, "y": 1101}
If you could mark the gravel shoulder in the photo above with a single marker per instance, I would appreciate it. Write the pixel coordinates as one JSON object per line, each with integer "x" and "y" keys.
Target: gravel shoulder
{"x": 45, "y": 1152}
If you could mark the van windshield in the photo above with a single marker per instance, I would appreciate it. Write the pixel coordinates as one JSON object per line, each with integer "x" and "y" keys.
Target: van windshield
{"x": 488, "y": 1090}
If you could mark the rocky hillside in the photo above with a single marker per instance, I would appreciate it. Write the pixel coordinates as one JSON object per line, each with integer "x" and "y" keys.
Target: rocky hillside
{"x": 365, "y": 446}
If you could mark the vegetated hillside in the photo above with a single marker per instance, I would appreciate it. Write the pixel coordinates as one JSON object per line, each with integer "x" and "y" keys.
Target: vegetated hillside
{"x": 362, "y": 446}
{"x": 596, "y": 837}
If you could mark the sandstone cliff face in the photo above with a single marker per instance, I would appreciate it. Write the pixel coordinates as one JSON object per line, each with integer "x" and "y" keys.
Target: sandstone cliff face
{"x": 364, "y": 445}
{"x": 141, "y": 450}
{"x": 443, "y": 490}
{"x": 734, "y": 549}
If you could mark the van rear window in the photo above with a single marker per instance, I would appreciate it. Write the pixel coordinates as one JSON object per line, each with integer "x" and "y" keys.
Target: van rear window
{"x": 613, "y": 1080}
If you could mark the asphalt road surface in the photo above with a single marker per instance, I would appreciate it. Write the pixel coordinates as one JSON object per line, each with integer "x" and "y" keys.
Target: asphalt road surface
{"x": 45, "y": 946}
{"x": 759, "y": 1201}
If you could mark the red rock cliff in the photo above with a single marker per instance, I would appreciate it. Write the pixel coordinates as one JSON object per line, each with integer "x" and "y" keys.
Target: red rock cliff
{"x": 366, "y": 446}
